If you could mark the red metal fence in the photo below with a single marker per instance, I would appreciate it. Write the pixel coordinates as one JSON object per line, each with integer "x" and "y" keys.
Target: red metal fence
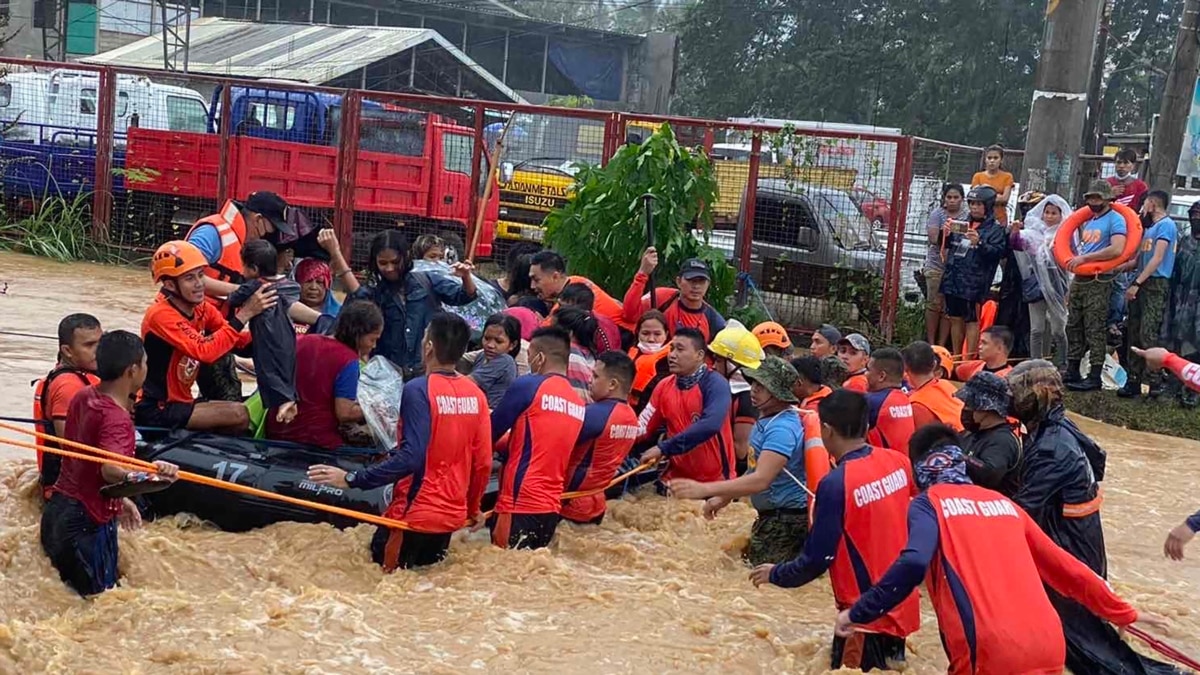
{"x": 825, "y": 225}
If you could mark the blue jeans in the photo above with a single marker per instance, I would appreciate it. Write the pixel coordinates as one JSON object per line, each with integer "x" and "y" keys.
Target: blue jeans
{"x": 1116, "y": 302}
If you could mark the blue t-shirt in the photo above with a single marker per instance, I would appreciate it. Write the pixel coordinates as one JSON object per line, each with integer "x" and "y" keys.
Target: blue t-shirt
{"x": 784, "y": 434}
{"x": 1097, "y": 233}
{"x": 208, "y": 240}
{"x": 1164, "y": 230}
{"x": 345, "y": 385}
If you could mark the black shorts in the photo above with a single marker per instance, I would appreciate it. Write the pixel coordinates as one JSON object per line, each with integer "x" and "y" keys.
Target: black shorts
{"x": 523, "y": 530}
{"x": 868, "y": 651}
{"x": 959, "y": 308}
{"x": 594, "y": 521}
{"x": 83, "y": 552}
{"x": 163, "y": 415}
{"x": 403, "y": 549}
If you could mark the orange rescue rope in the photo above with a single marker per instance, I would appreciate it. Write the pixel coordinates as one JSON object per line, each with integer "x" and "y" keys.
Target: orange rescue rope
{"x": 105, "y": 457}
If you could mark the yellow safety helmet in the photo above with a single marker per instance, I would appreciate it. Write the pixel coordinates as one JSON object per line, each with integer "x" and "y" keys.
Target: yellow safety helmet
{"x": 736, "y": 343}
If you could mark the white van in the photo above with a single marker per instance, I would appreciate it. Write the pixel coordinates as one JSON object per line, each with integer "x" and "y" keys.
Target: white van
{"x": 60, "y": 107}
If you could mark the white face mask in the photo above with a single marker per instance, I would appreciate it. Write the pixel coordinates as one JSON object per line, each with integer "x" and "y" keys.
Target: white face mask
{"x": 647, "y": 348}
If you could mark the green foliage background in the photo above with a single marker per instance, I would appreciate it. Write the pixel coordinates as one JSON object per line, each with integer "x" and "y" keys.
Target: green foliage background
{"x": 955, "y": 70}
{"x": 601, "y": 230}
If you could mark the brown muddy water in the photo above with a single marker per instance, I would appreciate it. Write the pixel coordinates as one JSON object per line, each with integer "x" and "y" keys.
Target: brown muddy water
{"x": 655, "y": 589}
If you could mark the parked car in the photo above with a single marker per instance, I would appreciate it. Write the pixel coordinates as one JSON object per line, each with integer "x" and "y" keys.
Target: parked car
{"x": 813, "y": 254}
{"x": 1178, "y": 210}
{"x": 874, "y": 208}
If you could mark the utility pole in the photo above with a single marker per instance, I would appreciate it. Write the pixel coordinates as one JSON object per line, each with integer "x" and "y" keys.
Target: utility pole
{"x": 1167, "y": 142}
{"x": 1091, "y": 129}
{"x": 1060, "y": 96}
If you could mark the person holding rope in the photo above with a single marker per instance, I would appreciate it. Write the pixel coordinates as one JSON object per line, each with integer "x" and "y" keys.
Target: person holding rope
{"x": 79, "y": 523}
{"x": 444, "y": 458}
{"x": 545, "y": 415}
{"x": 610, "y": 427}
{"x": 78, "y": 336}
{"x": 1060, "y": 490}
{"x": 1188, "y": 373}
{"x": 992, "y": 449}
{"x": 985, "y": 561}
{"x": 858, "y": 530}
{"x": 784, "y": 441}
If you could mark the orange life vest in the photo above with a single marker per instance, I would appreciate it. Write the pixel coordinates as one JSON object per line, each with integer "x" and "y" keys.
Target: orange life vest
{"x": 48, "y": 464}
{"x": 231, "y": 227}
{"x": 969, "y": 369}
{"x": 646, "y": 369}
{"x": 857, "y": 382}
{"x": 810, "y": 403}
{"x": 944, "y": 406}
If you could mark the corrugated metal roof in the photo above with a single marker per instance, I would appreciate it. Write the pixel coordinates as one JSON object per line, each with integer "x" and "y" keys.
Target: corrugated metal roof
{"x": 305, "y": 52}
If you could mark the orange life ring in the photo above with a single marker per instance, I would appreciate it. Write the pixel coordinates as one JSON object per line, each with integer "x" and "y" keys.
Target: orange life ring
{"x": 1064, "y": 249}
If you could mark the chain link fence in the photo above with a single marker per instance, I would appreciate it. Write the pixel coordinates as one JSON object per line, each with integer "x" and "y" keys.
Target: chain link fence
{"x": 824, "y": 225}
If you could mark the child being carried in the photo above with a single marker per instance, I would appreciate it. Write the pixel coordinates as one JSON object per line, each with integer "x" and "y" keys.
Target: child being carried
{"x": 274, "y": 345}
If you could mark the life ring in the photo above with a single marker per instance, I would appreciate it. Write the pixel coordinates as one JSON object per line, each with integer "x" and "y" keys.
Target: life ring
{"x": 1064, "y": 239}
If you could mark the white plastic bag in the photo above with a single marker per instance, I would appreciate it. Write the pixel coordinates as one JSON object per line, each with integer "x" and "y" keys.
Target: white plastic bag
{"x": 380, "y": 385}
{"x": 487, "y": 300}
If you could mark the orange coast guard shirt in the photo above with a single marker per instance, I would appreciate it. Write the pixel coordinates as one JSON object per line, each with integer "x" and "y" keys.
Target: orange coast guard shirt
{"x": 859, "y": 529}
{"x": 609, "y": 429}
{"x": 890, "y": 420}
{"x": 699, "y": 443}
{"x": 984, "y": 562}
{"x": 444, "y": 459}
{"x": 545, "y": 415}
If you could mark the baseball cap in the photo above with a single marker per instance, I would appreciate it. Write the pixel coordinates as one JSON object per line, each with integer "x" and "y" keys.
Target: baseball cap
{"x": 831, "y": 334}
{"x": 777, "y": 375}
{"x": 694, "y": 268}
{"x": 272, "y": 207}
{"x": 986, "y": 392}
{"x": 858, "y": 342}
{"x": 1099, "y": 188}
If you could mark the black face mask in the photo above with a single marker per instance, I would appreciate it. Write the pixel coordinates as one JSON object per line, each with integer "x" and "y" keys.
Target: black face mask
{"x": 967, "y": 418}
{"x": 1195, "y": 222}
{"x": 1097, "y": 208}
{"x": 1147, "y": 220}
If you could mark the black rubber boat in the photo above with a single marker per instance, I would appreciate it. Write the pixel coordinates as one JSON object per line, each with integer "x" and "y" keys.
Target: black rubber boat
{"x": 274, "y": 466}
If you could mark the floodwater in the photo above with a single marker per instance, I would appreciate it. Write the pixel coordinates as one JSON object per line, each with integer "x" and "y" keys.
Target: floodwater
{"x": 654, "y": 589}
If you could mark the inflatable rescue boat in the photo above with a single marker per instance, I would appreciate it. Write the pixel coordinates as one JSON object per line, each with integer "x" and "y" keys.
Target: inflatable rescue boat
{"x": 274, "y": 466}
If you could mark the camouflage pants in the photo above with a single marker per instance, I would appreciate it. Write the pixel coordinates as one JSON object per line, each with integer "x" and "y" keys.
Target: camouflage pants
{"x": 777, "y": 537}
{"x": 219, "y": 381}
{"x": 1087, "y": 317}
{"x": 1145, "y": 319}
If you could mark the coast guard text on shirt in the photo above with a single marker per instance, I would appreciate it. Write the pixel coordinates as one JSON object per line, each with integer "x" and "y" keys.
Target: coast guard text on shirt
{"x": 959, "y": 506}
{"x": 457, "y": 405}
{"x": 878, "y": 489}
{"x": 559, "y": 404}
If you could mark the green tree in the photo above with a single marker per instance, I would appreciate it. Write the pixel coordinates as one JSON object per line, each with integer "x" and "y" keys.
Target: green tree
{"x": 601, "y": 230}
{"x": 958, "y": 70}
{"x": 1141, "y": 42}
